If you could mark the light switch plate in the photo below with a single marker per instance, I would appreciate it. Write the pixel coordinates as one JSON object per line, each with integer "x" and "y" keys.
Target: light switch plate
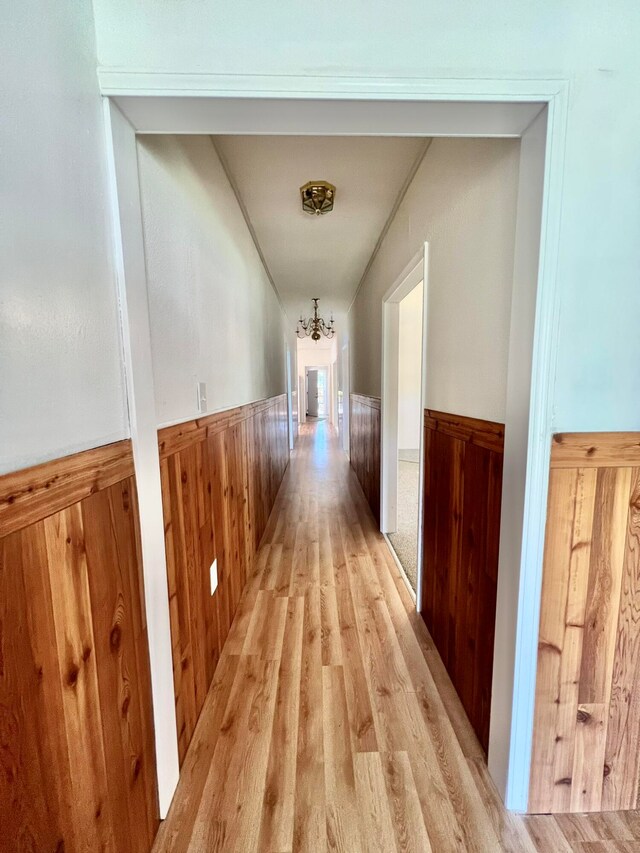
{"x": 213, "y": 573}
{"x": 201, "y": 398}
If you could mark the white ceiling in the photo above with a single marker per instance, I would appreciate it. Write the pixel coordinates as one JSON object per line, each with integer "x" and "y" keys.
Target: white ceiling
{"x": 322, "y": 256}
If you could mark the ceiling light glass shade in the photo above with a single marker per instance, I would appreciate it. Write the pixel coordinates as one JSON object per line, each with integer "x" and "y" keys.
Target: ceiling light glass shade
{"x": 317, "y": 197}
{"x": 315, "y": 327}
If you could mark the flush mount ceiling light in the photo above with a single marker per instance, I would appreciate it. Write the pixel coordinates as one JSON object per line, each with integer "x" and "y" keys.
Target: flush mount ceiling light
{"x": 317, "y": 197}
{"x": 315, "y": 326}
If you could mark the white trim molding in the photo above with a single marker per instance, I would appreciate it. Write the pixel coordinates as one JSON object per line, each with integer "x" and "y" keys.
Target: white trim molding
{"x": 140, "y": 82}
{"x": 134, "y": 319}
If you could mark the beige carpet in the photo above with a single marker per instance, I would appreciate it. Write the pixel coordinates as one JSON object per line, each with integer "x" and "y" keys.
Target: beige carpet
{"x": 405, "y": 539}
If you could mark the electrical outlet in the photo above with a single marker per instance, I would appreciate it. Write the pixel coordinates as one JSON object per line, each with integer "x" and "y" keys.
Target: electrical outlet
{"x": 213, "y": 574}
{"x": 201, "y": 396}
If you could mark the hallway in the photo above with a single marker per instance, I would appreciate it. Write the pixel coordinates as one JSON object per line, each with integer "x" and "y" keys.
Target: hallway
{"x": 330, "y": 723}
{"x": 206, "y": 640}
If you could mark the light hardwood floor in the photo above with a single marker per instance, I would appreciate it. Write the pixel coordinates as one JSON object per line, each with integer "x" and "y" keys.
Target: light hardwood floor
{"x": 331, "y": 723}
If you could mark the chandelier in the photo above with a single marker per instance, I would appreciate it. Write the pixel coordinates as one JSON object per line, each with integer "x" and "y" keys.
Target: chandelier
{"x": 315, "y": 326}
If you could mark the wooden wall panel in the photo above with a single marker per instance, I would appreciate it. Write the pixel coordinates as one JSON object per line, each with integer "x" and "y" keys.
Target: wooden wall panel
{"x": 364, "y": 447}
{"x": 220, "y": 476}
{"x": 587, "y": 712}
{"x": 461, "y": 531}
{"x": 77, "y": 760}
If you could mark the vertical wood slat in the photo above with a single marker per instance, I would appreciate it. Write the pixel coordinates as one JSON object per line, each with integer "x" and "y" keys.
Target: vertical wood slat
{"x": 587, "y": 722}
{"x": 77, "y": 750}
{"x": 35, "y": 809}
{"x": 121, "y": 651}
{"x": 220, "y": 476}
{"x": 364, "y": 447}
{"x": 571, "y": 496}
{"x": 77, "y": 671}
{"x": 461, "y": 531}
{"x": 622, "y": 757}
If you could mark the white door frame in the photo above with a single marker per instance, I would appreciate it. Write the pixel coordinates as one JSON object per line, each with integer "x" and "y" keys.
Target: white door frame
{"x": 346, "y": 397}
{"x": 409, "y": 278}
{"x": 289, "y": 391}
{"x": 415, "y": 272}
{"x": 333, "y": 381}
{"x": 136, "y": 333}
{"x": 302, "y": 399}
{"x": 534, "y": 110}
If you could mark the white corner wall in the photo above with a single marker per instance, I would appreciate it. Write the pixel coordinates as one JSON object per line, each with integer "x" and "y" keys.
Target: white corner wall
{"x": 410, "y": 370}
{"x": 462, "y": 201}
{"x": 61, "y": 380}
{"x": 597, "y": 382}
{"x": 214, "y": 315}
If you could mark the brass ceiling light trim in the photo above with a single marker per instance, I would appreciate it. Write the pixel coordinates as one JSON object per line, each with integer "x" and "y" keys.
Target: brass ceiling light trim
{"x": 317, "y": 197}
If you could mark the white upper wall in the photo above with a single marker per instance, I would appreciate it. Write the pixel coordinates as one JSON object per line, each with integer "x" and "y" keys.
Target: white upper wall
{"x": 591, "y": 44}
{"x": 214, "y": 315}
{"x": 312, "y": 354}
{"x": 425, "y": 39}
{"x": 61, "y": 381}
{"x": 462, "y": 201}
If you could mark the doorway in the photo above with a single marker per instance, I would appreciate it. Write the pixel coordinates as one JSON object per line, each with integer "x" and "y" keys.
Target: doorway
{"x": 404, "y": 539}
{"x": 535, "y": 111}
{"x": 403, "y": 381}
{"x": 442, "y": 471}
{"x": 317, "y": 392}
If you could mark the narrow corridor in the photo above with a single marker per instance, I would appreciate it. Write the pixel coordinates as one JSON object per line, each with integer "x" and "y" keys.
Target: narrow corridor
{"x": 331, "y": 723}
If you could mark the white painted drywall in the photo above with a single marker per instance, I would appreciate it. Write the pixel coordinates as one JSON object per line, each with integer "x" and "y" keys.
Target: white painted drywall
{"x": 463, "y": 203}
{"x": 582, "y": 41}
{"x": 61, "y": 380}
{"x": 214, "y": 315}
{"x": 316, "y": 355}
{"x": 410, "y": 370}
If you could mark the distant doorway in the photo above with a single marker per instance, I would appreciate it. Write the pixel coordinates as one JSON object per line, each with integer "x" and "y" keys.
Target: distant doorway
{"x": 317, "y": 392}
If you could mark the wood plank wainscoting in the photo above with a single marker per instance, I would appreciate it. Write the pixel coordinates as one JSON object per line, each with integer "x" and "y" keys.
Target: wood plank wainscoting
{"x": 586, "y": 754}
{"x": 364, "y": 447}
{"x": 220, "y": 476}
{"x": 461, "y": 530}
{"x": 77, "y": 758}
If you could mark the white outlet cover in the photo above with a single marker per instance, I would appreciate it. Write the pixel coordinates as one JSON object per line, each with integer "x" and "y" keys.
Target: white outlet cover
{"x": 213, "y": 574}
